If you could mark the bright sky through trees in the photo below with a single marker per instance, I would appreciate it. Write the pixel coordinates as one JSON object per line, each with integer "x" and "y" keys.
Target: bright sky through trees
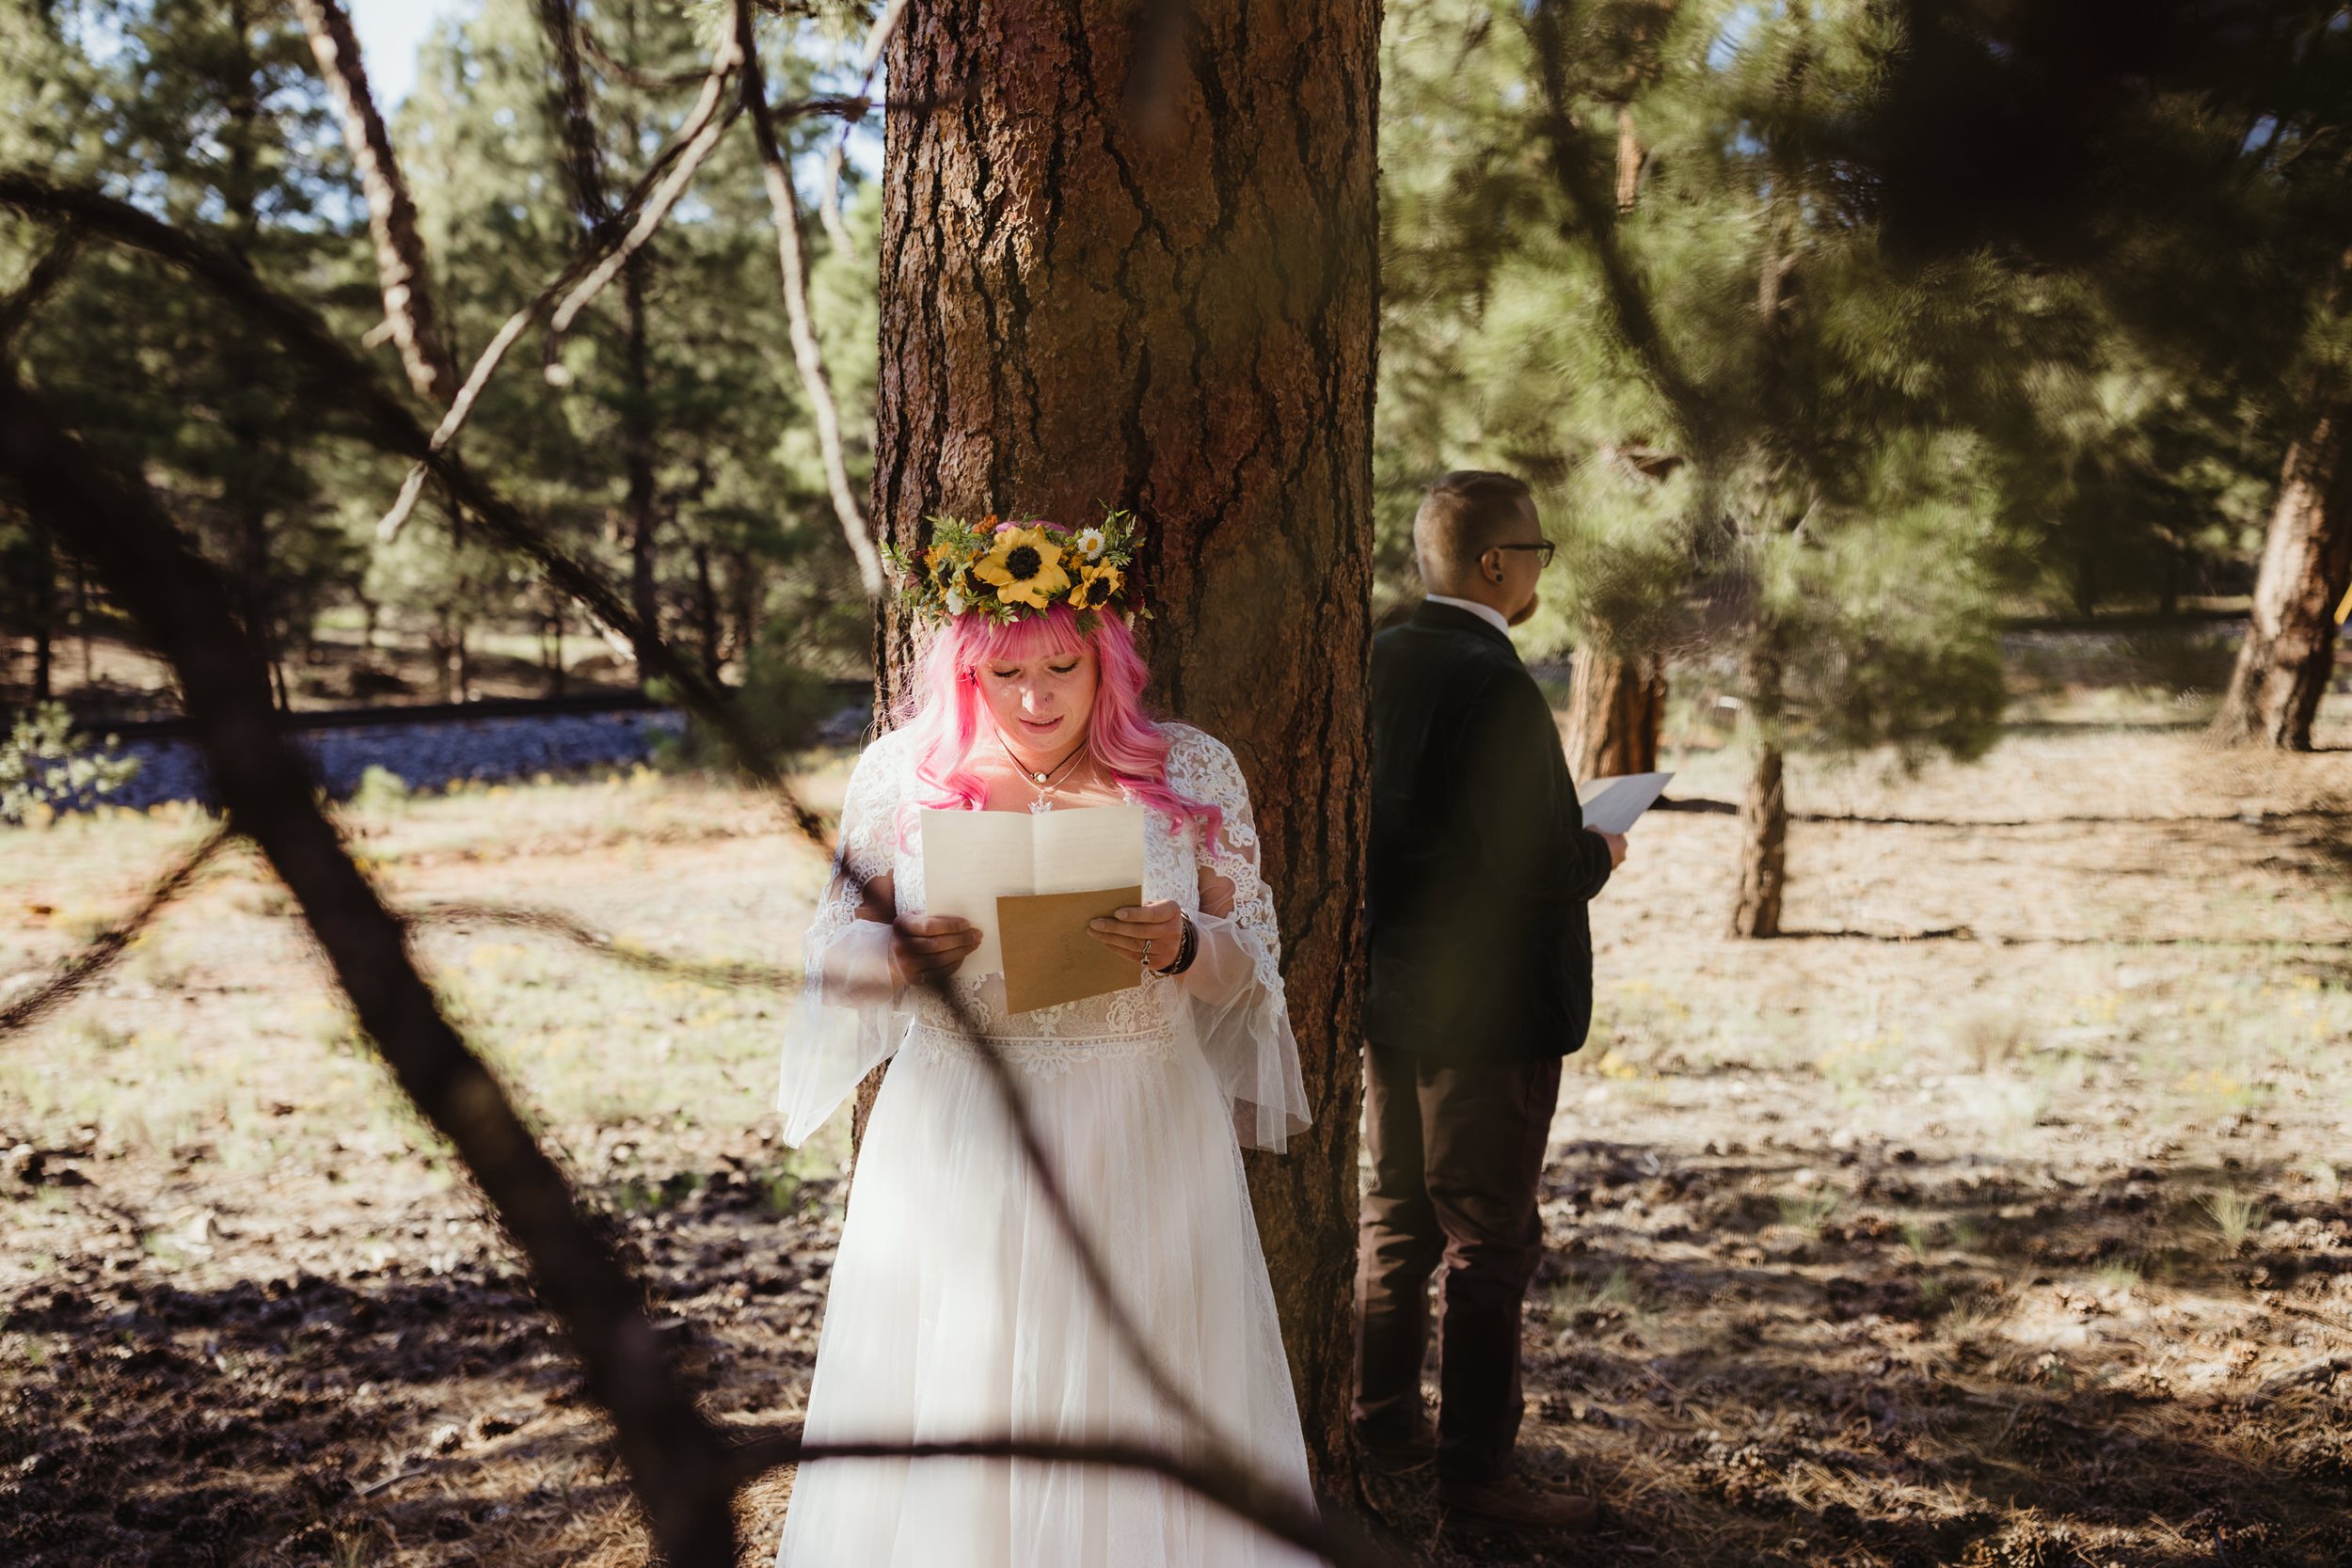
{"x": 389, "y": 34}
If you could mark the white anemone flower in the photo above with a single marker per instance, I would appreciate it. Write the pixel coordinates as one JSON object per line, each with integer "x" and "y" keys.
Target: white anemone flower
{"x": 955, "y": 602}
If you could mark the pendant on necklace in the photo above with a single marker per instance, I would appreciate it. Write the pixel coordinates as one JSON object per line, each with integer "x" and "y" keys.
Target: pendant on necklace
{"x": 1040, "y": 806}
{"x": 1039, "y": 777}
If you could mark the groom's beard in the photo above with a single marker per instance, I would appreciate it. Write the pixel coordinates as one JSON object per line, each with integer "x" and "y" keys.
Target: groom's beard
{"x": 1527, "y": 610}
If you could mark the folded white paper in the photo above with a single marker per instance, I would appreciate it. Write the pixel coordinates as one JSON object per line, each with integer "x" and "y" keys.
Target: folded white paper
{"x": 1612, "y": 805}
{"x": 972, "y": 858}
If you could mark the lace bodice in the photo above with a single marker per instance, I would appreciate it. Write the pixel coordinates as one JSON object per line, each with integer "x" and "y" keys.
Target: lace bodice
{"x": 1231, "y": 1002}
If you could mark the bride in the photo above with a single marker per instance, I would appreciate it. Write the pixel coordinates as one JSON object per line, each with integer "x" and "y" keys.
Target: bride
{"x": 957, "y": 1309}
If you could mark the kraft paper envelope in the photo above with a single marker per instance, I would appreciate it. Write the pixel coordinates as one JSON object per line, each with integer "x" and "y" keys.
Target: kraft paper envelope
{"x": 1049, "y": 955}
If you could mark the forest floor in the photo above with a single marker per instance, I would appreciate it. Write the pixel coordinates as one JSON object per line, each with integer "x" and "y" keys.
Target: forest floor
{"x": 1996, "y": 1215}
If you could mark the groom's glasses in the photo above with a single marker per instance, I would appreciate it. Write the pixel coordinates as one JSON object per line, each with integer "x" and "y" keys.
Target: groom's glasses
{"x": 1545, "y": 550}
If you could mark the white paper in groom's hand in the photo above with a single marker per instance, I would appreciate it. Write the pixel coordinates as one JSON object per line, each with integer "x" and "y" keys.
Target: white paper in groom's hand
{"x": 1612, "y": 805}
{"x": 972, "y": 858}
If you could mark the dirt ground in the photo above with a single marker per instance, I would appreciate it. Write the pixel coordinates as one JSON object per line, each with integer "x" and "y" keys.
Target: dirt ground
{"x": 1996, "y": 1215}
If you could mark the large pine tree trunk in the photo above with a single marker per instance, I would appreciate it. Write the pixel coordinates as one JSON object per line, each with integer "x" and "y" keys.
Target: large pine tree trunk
{"x": 1615, "y": 709}
{"x": 1142, "y": 272}
{"x": 2290, "y": 648}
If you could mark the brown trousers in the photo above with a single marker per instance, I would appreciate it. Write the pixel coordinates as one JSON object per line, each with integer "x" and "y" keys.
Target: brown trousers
{"x": 1456, "y": 1155}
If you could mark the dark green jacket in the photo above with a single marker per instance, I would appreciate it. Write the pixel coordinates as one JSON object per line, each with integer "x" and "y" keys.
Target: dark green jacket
{"x": 1481, "y": 862}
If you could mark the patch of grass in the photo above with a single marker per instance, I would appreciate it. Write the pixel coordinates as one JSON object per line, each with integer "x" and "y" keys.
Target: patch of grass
{"x": 2118, "y": 1273}
{"x": 1854, "y": 1065}
{"x": 2322, "y": 1174}
{"x": 2235, "y": 1216}
{"x": 1614, "y": 1294}
{"x": 1989, "y": 1037}
{"x": 1917, "y": 1239}
{"x": 1970, "y": 1311}
{"x": 1807, "y": 1211}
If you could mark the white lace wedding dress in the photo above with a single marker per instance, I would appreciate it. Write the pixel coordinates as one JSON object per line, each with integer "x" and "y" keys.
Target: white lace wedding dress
{"x": 956, "y": 1309}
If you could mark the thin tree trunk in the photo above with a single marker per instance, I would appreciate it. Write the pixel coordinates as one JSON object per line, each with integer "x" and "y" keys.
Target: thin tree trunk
{"x": 707, "y": 611}
{"x": 441, "y": 645}
{"x": 1615, "y": 709}
{"x": 2289, "y": 653}
{"x": 1078, "y": 311}
{"x": 81, "y": 622}
{"x": 637, "y": 459}
{"x": 1764, "y": 810}
{"x": 1628, "y": 159}
{"x": 43, "y": 607}
{"x": 1763, "y": 848}
{"x": 399, "y": 265}
{"x": 743, "y": 591}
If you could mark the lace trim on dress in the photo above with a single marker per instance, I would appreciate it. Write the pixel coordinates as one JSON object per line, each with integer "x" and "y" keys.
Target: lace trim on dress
{"x": 1038, "y": 1056}
{"x": 1231, "y": 1005}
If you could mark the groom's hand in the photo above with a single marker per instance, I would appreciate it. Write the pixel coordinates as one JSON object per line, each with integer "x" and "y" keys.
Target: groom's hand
{"x": 1148, "y": 933}
{"x": 929, "y": 946}
{"x": 1616, "y": 849}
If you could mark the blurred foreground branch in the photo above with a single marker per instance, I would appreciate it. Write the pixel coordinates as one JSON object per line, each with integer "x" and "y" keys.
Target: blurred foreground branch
{"x": 94, "y": 959}
{"x": 174, "y": 594}
{"x": 118, "y": 527}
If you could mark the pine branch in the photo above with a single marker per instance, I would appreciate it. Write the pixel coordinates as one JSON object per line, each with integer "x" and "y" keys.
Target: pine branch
{"x": 86, "y": 967}
{"x": 1595, "y": 210}
{"x": 1238, "y": 1491}
{"x": 48, "y": 273}
{"x": 697, "y": 136}
{"x": 869, "y": 61}
{"x": 583, "y": 159}
{"x": 612, "y": 65}
{"x": 343, "y": 377}
{"x": 400, "y": 261}
{"x": 785, "y": 204}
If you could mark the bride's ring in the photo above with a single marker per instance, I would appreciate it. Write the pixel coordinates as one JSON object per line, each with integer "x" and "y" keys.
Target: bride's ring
{"x": 1147, "y": 952}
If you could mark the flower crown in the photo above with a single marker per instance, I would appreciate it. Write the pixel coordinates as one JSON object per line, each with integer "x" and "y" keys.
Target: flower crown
{"x": 1005, "y": 571}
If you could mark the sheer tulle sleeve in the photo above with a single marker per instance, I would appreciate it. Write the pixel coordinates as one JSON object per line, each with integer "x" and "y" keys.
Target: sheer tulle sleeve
{"x": 849, "y": 1017}
{"x": 1234, "y": 986}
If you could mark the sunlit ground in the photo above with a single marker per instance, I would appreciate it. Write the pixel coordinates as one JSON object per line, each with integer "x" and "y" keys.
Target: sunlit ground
{"x": 1995, "y": 1216}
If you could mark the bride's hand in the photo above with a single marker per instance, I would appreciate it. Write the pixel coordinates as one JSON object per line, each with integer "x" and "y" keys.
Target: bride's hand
{"x": 929, "y": 946}
{"x": 1150, "y": 934}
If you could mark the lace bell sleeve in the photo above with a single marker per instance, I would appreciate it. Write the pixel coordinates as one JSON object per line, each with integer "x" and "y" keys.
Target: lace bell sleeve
{"x": 1233, "y": 989}
{"x": 849, "y": 1017}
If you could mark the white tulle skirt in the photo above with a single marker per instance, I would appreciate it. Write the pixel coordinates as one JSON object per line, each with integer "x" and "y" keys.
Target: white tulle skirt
{"x": 956, "y": 1310}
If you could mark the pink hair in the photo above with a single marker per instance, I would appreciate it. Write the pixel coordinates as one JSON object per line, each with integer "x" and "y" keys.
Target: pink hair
{"x": 948, "y": 717}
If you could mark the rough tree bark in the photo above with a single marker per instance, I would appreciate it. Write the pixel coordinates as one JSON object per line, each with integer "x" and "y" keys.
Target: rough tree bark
{"x": 1615, "y": 709}
{"x": 2290, "y": 649}
{"x": 1135, "y": 264}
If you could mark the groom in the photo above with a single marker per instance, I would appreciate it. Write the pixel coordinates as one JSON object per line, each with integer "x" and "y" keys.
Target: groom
{"x": 1482, "y": 978}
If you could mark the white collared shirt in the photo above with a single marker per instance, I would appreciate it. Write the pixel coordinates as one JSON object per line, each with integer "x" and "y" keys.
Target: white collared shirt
{"x": 1485, "y": 612}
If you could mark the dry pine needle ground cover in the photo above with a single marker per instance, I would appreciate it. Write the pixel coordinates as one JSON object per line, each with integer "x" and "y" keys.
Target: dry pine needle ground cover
{"x": 1997, "y": 1216}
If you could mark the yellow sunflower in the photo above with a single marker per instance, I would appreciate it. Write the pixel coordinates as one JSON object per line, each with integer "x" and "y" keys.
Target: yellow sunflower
{"x": 1096, "y": 587}
{"x": 1026, "y": 567}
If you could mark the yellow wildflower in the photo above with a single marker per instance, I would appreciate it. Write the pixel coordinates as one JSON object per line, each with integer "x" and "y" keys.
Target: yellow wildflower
{"x": 1096, "y": 587}
{"x": 1026, "y": 567}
